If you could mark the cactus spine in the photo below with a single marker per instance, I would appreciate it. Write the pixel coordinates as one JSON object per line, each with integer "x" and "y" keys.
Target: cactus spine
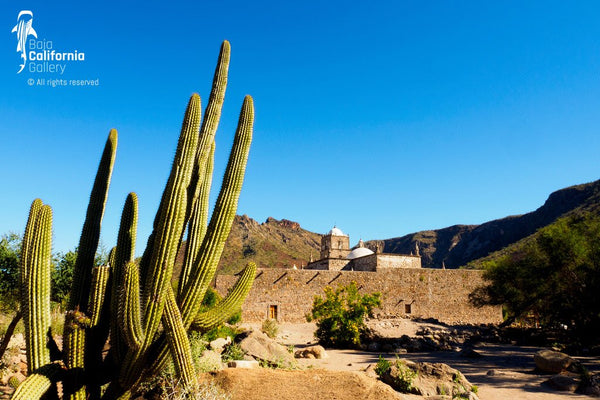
{"x": 133, "y": 299}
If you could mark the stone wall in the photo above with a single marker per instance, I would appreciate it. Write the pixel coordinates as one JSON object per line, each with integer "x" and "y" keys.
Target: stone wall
{"x": 333, "y": 264}
{"x": 416, "y": 292}
{"x": 366, "y": 263}
{"x": 397, "y": 261}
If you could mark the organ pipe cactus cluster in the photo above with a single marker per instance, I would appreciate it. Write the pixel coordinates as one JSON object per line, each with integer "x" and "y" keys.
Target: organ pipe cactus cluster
{"x": 131, "y": 304}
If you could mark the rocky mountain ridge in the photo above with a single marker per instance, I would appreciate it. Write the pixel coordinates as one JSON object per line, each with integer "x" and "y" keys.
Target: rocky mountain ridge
{"x": 458, "y": 245}
{"x": 284, "y": 243}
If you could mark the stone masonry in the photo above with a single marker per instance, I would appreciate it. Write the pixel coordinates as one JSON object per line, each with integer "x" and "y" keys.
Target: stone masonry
{"x": 287, "y": 294}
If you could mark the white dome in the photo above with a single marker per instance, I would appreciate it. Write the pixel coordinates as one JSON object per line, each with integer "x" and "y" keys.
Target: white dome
{"x": 358, "y": 252}
{"x": 336, "y": 232}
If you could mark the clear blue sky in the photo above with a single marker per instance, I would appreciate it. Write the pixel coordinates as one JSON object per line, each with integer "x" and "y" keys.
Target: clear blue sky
{"x": 384, "y": 118}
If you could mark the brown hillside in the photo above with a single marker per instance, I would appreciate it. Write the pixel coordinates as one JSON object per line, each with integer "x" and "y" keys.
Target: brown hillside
{"x": 274, "y": 243}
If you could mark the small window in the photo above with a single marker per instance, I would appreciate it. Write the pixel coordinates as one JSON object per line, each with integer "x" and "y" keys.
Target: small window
{"x": 408, "y": 308}
{"x": 273, "y": 312}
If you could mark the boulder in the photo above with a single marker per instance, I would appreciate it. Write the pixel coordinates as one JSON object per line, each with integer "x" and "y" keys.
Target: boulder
{"x": 311, "y": 352}
{"x": 565, "y": 383}
{"x": 553, "y": 362}
{"x": 219, "y": 344}
{"x": 469, "y": 352}
{"x": 261, "y": 347}
{"x": 427, "y": 379}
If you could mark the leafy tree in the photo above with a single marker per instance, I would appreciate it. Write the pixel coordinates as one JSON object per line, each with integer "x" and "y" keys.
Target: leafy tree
{"x": 62, "y": 272}
{"x": 341, "y": 314}
{"x": 10, "y": 256}
{"x": 555, "y": 277}
{"x": 62, "y": 275}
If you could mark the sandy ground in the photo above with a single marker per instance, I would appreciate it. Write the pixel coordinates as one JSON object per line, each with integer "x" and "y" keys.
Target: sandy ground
{"x": 513, "y": 367}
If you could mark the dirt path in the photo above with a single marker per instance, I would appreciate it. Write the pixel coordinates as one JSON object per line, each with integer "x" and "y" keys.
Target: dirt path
{"x": 512, "y": 373}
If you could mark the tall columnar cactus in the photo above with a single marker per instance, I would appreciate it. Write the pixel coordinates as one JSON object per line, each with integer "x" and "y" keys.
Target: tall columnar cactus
{"x": 133, "y": 299}
{"x": 35, "y": 276}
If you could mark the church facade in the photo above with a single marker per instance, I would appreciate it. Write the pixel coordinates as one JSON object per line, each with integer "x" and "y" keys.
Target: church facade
{"x": 336, "y": 255}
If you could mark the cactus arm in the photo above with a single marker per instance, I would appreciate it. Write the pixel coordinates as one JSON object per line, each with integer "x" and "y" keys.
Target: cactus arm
{"x": 212, "y": 116}
{"x": 199, "y": 186}
{"x": 227, "y": 307}
{"x": 90, "y": 235}
{"x": 179, "y": 343}
{"x": 38, "y": 383}
{"x": 97, "y": 334}
{"x": 172, "y": 216}
{"x": 36, "y": 205}
{"x": 100, "y": 277}
{"x": 37, "y": 293}
{"x": 222, "y": 218}
{"x": 198, "y": 221}
{"x": 26, "y": 246}
{"x": 129, "y": 319}
{"x": 75, "y": 340}
{"x": 125, "y": 253}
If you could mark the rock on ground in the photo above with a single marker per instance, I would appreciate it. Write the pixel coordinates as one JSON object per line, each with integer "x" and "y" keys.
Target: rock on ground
{"x": 219, "y": 344}
{"x": 553, "y": 362}
{"x": 262, "y": 347}
{"x": 566, "y": 383}
{"x": 317, "y": 352}
{"x": 427, "y": 379}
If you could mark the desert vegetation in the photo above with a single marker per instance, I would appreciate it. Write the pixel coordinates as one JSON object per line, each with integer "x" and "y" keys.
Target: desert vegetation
{"x": 551, "y": 280}
{"x": 132, "y": 302}
{"x": 340, "y": 315}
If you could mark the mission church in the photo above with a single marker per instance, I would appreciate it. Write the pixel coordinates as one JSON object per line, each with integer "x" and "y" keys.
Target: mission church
{"x": 336, "y": 255}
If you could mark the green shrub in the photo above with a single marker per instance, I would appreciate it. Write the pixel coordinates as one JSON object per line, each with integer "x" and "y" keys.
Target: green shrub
{"x": 382, "y": 366}
{"x": 233, "y": 352}
{"x": 235, "y": 318}
{"x": 405, "y": 377}
{"x": 341, "y": 315}
{"x": 270, "y": 327}
{"x": 221, "y": 331}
